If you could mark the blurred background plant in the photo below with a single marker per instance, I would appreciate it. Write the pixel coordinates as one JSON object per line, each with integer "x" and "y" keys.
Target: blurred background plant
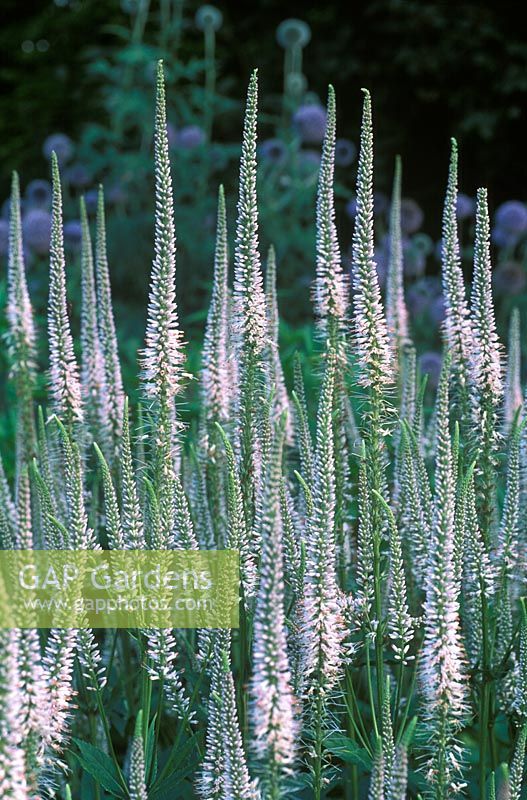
{"x": 79, "y": 79}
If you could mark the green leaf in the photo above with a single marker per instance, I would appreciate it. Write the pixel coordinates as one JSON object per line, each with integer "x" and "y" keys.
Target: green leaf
{"x": 348, "y": 750}
{"x": 150, "y": 761}
{"x": 171, "y": 786}
{"x": 100, "y": 766}
{"x": 183, "y": 764}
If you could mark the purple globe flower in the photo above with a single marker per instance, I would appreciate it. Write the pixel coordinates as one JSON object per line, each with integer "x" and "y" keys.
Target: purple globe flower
{"x": 38, "y": 194}
{"x": 437, "y": 310}
{"x": 208, "y": 18}
{"x": 430, "y": 364}
{"x": 73, "y": 233}
{"x": 61, "y": 145}
{"x": 411, "y": 215}
{"x": 190, "y": 137}
{"x": 36, "y": 228}
{"x": 293, "y": 33}
{"x": 4, "y": 237}
{"x": 310, "y": 123}
{"x": 422, "y": 243}
{"x": 345, "y": 152}
{"x": 503, "y": 238}
{"x": 273, "y": 151}
{"x": 512, "y": 216}
{"x": 77, "y": 176}
{"x": 465, "y": 206}
{"x": 509, "y": 278}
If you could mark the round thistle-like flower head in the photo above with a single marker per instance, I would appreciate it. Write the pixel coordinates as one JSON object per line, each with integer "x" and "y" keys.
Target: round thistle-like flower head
{"x": 4, "y": 237}
{"x": 430, "y": 364}
{"x": 190, "y": 137}
{"x": 38, "y": 194}
{"x": 77, "y": 176}
{"x": 345, "y": 152}
{"x": 208, "y": 18}
{"x": 61, "y": 144}
{"x": 512, "y": 217}
{"x": 73, "y": 233}
{"x": 273, "y": 151}
{"x": 504, "y": 239}
{"x": 510, "y": 278}
{"x": 36, "y": 227}
{"x": 310, "y": 123}
{"x": 465, "y": 206}
{"x": 293, "y": 33}
{"x": 423, "y": 244}
{"x": 411, "y": 215}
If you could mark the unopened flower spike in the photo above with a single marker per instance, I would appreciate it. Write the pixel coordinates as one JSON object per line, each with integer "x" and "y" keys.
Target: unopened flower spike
{"x": 331, "y": 290}
{"x": 370, "y": 329}
{"x": 65, "y": 387}
{"x": 457, "y": 325}
{"x": 396, "y": 311}
{"x": 513, "y": 399}
{"x": 93, "y": 378}
{"x": 250, "y": 321}
{"x": 275, "y": 373}
{"x": 138, "y": 790}
{"x": 486, "y": 370}
{"x": 21, "y": 336}
{"x": 163, "y": 355}
{"x": 215, "y": 383}
{"x": 106, "y": 323}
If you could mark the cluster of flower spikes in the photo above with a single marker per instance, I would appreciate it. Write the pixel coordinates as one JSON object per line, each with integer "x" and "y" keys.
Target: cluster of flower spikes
{"x": 379, "y": 580}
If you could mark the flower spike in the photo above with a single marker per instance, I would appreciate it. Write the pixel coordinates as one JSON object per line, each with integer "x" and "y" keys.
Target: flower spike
{"x": 65, "y": 387}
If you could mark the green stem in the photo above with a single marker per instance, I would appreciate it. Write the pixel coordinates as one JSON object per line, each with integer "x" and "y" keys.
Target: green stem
{"x": 354, "y": 714}
{"x": 317, "y": 759}
{"x": 370, "y": 690}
